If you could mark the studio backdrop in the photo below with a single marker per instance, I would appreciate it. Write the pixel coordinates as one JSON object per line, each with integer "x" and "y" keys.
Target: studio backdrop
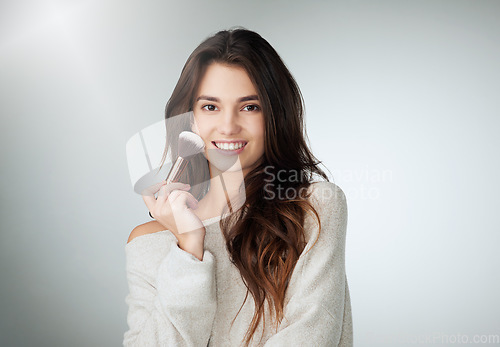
{"x": 401, "y": 107}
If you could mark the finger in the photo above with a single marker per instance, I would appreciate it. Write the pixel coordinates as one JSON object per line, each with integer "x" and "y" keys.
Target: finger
{"x": 166, "y": 192}
{"x": 183, "y": 198}
{"x": 168, "y": 188}
{"x": 148, "y": 194}
{"x": 153, "y": 189}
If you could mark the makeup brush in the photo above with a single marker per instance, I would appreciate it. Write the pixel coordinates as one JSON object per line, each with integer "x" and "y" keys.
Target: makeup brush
{"x": 189, "y": 144}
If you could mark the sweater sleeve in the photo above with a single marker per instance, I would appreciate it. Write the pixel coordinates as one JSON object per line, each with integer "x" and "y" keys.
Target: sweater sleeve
{"x": 317, "y": 298}
{"x": 172, "y": 299}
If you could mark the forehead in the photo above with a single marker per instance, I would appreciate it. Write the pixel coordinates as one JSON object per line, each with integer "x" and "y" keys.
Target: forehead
{"x": 226, "y": 82}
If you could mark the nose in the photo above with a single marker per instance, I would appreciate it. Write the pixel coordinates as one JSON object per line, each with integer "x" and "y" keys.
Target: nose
{"x": 228, "y": 123}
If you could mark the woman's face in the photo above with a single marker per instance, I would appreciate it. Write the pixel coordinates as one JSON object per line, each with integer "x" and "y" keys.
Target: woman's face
{"x": 228, "y": 114}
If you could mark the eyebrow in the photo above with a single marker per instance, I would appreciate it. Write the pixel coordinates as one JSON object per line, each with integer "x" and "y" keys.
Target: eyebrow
{"x": 214, "y": 99}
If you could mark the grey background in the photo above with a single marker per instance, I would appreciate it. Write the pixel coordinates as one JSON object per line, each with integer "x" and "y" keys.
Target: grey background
{"x": 402, "y": 107}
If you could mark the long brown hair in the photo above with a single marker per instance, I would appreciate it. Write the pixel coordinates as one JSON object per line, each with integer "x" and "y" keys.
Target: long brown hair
{"x": 266, "y": 236}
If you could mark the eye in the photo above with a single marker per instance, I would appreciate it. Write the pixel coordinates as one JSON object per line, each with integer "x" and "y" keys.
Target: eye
{"x": 251, "y": 108}
{"x": 209, "y": 107}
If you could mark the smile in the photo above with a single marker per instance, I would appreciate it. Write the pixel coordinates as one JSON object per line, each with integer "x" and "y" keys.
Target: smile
{"x": 229, "y": 146}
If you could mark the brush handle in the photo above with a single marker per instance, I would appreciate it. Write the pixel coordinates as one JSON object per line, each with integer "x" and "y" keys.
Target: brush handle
{"x": 176, "y": 171}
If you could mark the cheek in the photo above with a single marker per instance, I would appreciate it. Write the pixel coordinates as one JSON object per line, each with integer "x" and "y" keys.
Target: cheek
{"x": 259, "y": 135}
{"x": 200, "y": 127}
{"x": 199, "y": 124}
{"x": 194, "y": 128}
{"x": 260, "y": 129}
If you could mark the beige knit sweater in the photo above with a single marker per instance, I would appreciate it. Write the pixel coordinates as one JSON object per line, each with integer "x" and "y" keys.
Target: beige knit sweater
{"x": 177, "y": 300}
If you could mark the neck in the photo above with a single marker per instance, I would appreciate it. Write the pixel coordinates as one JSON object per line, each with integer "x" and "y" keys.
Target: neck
{"x": 224, "y": 193}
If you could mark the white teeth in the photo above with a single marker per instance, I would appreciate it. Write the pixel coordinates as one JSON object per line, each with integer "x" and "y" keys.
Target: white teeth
{"x": 229, "y": 146}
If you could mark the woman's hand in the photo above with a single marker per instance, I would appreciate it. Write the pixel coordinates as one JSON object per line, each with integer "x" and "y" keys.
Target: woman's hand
{"x": 173, "y": 209}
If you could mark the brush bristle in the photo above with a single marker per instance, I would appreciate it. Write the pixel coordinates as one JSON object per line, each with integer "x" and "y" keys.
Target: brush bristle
{"x": 190, "y": 144}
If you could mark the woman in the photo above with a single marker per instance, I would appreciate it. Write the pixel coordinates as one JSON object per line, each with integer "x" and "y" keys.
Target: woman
{"x": 257, "y": 225}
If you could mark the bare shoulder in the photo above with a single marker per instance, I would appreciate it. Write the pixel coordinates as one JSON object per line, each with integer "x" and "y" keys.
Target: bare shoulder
{"x": 144, "y": 229}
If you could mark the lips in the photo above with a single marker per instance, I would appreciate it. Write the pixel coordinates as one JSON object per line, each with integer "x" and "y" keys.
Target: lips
{"x": 229, "y": 145}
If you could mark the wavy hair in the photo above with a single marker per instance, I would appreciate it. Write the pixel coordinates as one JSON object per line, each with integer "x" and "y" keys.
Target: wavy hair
{"x": 266, "y": 235}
